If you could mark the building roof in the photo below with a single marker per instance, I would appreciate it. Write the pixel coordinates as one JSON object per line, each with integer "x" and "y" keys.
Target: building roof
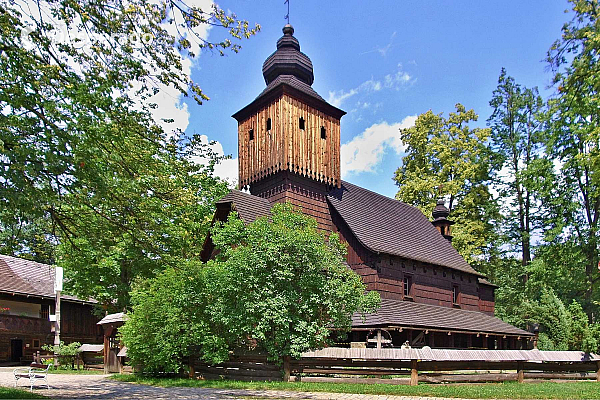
{"x": 112, "y": 318}
{"x": 93, "y": 348}
{"x": 426, "y": 354}
{"x": 30, "y": 278}
{"x": 407, "y": 314}
{"x": 389, "y": 226}
{"x": 249, "y": 207}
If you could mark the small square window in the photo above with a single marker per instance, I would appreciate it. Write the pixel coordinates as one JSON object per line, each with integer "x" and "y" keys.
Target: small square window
{"x": 323, "y": 133}
{"x": 269, "y": 124}
{"x": 301, "y": 123}
{"x": 251, "y": 134}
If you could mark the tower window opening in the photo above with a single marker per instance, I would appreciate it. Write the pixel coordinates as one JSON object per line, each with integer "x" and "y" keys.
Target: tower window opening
{"x": 269, "y": 124}
{"x": 251, "y": 134}
{"x": 455, "y": 294}
{"x": 301, "y": 123}
{"x": 323, "y": 133}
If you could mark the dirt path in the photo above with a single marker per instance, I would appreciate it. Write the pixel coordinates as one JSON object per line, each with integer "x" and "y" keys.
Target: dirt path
{"x": 100, "y": 387}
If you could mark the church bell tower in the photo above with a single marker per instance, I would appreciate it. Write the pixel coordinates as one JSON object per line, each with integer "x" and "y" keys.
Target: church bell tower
{"x": 289, "y": 136}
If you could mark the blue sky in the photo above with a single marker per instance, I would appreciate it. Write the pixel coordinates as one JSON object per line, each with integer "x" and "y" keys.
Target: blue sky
{"x": 384, "y": 63}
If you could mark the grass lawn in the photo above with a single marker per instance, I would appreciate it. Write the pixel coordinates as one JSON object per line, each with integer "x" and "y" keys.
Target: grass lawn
{"x": 507, "y": 390}
{"x": 77, "y": 371}
{"x": 11, "y": 393}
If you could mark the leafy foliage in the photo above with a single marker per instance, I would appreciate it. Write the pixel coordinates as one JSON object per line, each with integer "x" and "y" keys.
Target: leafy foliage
{"x": 170, "y": 321}
{"x": 284, "y": 284}
{"x": 277, "y": 286}
{"x": 517, "y": 125}
{"x": 66, "y": 352}
{"x": 83, "y": 160}
{"x": 573, "y": 143}
{"x": 446, "y": 158}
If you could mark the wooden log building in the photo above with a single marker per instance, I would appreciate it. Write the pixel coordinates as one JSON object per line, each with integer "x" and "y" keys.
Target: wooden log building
{"x": 27, "y": 301}
{"x": 289, "y": 151}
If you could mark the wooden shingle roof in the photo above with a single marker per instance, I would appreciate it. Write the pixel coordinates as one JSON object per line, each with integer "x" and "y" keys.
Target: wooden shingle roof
{"x": 30, "y": 278}
{"x": 249, "y": 207}
{"x": 400, "y": 313}
{"x": 389, "y": 226}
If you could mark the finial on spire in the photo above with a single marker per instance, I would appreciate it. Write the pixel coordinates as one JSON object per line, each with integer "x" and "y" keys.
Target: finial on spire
{"x": 287, "y": 16}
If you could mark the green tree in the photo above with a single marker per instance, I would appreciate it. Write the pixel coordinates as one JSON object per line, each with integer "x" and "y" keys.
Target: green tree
{"x": 169, "y": 321}
{"x": 278, "y": 287}
{"x": 284, "y": 284}
{"x": 573, "y": 204}
{"x": 447, "y": 158}
{"x": 517, "y": 126}
{"x": 79, "y": 146}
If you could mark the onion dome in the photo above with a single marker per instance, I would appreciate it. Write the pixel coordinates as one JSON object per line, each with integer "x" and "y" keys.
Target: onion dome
{"x": 440, "y": 211}
{"x": 440, "y": 219}
{"x": 288, "y": 60}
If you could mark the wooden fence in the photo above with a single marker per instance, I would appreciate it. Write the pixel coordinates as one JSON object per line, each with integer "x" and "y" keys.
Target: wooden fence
{"x": 409, "y": 366}
{"x": 247, "y": 368}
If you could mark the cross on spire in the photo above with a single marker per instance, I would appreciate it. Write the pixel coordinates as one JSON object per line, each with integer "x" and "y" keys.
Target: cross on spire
{"x": 287, "y": 16}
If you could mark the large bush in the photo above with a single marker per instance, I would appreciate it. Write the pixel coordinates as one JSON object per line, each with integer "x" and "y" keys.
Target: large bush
{"x": 278, "y": 286}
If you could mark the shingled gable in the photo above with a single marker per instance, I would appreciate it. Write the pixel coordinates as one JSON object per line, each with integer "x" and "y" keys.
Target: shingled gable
{"x": 406, "y": 314}
{"x": 30, "y": 278}
{"x": 248, "y": 207}
{"x": 384, "y": 225}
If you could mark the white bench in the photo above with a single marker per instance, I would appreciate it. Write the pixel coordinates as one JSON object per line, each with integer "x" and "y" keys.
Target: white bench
{"x": 36, "y": 372}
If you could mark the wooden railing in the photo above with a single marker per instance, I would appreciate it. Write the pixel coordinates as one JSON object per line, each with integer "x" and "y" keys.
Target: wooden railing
{"x": 16, "y": 323}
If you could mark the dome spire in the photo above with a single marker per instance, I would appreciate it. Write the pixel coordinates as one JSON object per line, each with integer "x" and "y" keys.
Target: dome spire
{"x": 288, "y": 60}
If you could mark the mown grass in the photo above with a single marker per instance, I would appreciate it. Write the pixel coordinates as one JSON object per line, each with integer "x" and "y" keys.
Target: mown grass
{"x": 12, "y": 393}
{"x": 77, "y": 371}
{"x": 507, "y": 390}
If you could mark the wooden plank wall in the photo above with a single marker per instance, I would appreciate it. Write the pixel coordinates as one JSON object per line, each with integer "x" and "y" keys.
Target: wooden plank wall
{"x": 287, "y": 147}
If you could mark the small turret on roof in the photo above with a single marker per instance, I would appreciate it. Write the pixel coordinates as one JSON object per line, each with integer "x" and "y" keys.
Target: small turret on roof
{"x": 440, "y": 219}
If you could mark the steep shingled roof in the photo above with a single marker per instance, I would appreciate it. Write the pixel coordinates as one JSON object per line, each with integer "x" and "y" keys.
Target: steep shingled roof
{"x": 408, "y": 314}
{"x": 20, "y": 276}
{"x": 248, "y": 206}
{"x": 384, "y": 225}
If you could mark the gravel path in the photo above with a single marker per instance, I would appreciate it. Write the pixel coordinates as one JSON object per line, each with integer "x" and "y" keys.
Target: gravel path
{"x": 100, "y": 387}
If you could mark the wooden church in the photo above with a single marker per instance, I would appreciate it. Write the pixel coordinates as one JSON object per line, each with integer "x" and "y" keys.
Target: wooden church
{"x": 289, "y": 151}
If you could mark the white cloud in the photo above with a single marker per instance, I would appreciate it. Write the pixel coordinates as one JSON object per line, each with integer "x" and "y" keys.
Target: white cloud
{"x": 397, "y": 80}
{"x": 227, "y": 169}
{"x": 365, "y": 151}
{"x": 336, "y": 98}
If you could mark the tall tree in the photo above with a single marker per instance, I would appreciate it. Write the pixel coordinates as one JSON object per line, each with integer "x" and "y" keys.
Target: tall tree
{"x": 517, "y": 125}
{"x": 448, "y": 159}
{"x": 574, "y": 145}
